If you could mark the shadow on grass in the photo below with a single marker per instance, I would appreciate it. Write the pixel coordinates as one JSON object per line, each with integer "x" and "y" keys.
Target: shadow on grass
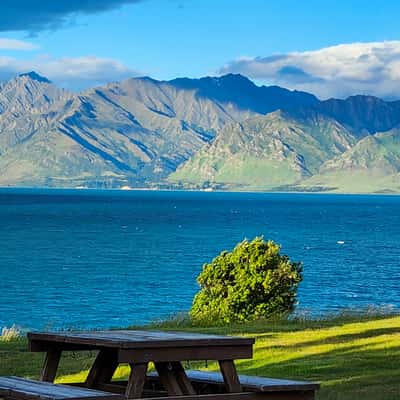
{"x": 350, "y": 373}
{"x": 15, "y": 359}
{"x": 354, "y": 372}
{"x": 362, "y": 363}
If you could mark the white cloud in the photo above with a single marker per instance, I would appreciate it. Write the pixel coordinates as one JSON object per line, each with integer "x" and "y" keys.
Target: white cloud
{"x": 69, "y": 72}
{"x": 13, "y": 44}
{"x": 337, "y": 71}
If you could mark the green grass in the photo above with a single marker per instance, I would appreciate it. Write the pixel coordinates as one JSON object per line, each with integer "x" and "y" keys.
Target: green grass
{"x": 355, "y": 181}
{"x": 354, "y": 357}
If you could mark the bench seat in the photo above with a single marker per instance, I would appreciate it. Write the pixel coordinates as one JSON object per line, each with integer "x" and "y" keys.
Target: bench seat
{"x": 249, "y": 383}
{"x": 253, "y": 383}
{"x": 15, "y": 388}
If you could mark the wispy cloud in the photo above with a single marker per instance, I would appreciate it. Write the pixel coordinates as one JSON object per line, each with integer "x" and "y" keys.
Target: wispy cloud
{"x": 337, "y": 71}
{"x": 74, "y": 73}
{"x": 13, "y": 44}
{"x": 33, "y": 16}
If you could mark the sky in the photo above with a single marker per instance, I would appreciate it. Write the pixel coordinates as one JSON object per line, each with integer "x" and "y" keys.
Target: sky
{"x": 330, "y": 48}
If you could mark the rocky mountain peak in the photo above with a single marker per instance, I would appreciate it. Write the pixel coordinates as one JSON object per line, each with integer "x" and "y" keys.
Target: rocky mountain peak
{"x": 34, "y": 76}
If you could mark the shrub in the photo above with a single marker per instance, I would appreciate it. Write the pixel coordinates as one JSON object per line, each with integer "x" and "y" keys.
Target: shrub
{"x": 253, "y": 281}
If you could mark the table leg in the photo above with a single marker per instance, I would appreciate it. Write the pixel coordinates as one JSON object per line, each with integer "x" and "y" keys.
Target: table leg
{"x": 181, "y": 377}
{"x": 103, "y": 368}
{"x": 50, "y": 366}
{"x": 136, "y": 381}
{"x": 168, "y": 378}
{"x": 230, "y": 376}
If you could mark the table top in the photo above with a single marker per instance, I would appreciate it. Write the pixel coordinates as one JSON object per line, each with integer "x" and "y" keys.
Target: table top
{"x": 129, "y": 339}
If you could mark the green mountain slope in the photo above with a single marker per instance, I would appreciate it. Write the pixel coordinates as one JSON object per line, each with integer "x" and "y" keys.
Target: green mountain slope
{"x": 266, "y": 152}
{"x": 372, "y": 165}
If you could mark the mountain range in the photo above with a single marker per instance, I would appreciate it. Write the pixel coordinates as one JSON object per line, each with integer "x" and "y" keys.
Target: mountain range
{"x": 211, "y": 133}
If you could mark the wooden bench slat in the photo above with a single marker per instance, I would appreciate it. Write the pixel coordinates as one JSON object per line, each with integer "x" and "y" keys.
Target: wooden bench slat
{"x": 255, "y": 382}
{"x": 250, "y": 383}
{"x": 286, "y": 395}
{"x": 21, "y": 388}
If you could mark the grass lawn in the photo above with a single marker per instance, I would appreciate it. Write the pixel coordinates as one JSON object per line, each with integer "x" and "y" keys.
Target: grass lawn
{"x": 352, "y": 357}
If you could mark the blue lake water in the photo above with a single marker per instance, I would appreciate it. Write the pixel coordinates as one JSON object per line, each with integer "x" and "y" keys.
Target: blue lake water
{"x": 89, "y": 259}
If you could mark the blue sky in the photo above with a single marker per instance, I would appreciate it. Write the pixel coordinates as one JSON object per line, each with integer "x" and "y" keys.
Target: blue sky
{"x": 110, "y": 40}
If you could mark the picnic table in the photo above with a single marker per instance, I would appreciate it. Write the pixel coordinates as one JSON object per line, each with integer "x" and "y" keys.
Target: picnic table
{"x": 168, "y": 351}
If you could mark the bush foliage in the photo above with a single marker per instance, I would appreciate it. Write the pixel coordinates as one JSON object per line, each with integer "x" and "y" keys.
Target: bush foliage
{"x": 253, "y": 281}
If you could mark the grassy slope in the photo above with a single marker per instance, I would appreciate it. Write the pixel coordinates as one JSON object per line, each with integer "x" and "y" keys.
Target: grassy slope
{"x": 371, "y": 166}
{"x": 265, "y": 152}
{"x": 252, "y": 173}
{"x": 352, "y": 358}
{"x": 359, "y": 181}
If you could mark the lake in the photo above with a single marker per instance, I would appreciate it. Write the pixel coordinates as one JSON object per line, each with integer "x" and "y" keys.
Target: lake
{"x": 91, "y": 259}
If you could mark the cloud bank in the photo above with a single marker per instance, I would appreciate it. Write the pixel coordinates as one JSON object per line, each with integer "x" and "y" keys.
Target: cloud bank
{"x": 73, "y": 73}
{"x": 13, "y": 44}
{"x": 33, "y": 16}
{"x": 338, "y": 71}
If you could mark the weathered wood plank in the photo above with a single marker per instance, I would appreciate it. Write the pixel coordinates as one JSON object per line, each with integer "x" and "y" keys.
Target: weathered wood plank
{"x": 168, "y": 378}
{"x": 249, "y": 383}
{"x": 253, "y": 383}
{"x": 115, "y": 387}
{"x": 103, "y": 368}
{"x": 230, "y": 376}
{"x": 27, "y": 389}
{"x": 43, "y": 346}
{"x": 295, "y": 395}
{"x": 184, "y": 353}
{"x": 50, "y": 366}
{"x": 138, "y": 339}
{"x": 137, "y": 378}
{"x": 183, "y": 381}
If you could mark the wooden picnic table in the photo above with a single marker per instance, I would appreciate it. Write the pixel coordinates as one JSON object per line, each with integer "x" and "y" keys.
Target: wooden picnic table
{"x": 167, "y": 350}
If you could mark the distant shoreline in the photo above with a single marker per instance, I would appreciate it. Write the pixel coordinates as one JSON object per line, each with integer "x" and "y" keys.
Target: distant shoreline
{"x": 139, "y": 189}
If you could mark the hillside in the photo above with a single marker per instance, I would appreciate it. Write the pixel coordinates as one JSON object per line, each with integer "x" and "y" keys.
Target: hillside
{"x": 371, "y": 166}
{"x": 28, "y": 103}
{"x": 266, "y": 152}
{"x": 363, "y": 114}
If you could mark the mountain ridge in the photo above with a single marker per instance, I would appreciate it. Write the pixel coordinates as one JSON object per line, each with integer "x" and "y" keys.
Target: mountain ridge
{"x": 145, "y": 132}
{"x": 280, "y": 148}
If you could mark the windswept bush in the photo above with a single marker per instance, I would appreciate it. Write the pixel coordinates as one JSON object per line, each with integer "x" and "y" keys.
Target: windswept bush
{"x": 253, "y": 281}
